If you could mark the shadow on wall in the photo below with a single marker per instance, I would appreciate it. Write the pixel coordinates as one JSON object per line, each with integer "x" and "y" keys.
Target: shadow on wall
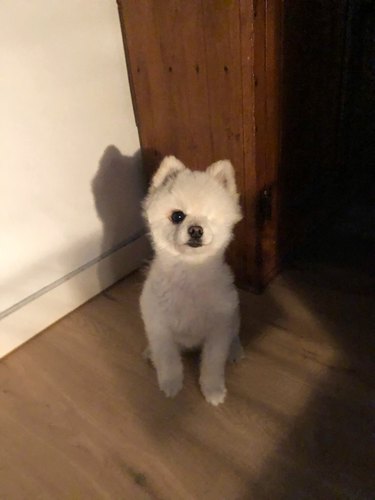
{"x": 118, "y": 188}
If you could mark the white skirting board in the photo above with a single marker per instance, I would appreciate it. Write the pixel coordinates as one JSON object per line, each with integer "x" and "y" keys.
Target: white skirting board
{"x": 55, "y": 301}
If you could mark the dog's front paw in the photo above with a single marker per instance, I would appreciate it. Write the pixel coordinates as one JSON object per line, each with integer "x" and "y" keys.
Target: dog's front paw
{"x": 171, "y": 387}
{"x": 214, "y": 394}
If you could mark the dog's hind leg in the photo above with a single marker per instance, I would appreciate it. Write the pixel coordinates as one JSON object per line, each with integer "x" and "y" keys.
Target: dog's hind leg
{"x": 146, "y": 354}
{"x": 236, "y": 352}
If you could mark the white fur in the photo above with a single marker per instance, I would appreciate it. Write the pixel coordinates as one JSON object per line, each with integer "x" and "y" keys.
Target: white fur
{"x": 189, "y": 299}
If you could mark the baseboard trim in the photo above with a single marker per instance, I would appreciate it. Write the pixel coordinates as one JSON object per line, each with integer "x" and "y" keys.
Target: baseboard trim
{"x": 54, "y": 302}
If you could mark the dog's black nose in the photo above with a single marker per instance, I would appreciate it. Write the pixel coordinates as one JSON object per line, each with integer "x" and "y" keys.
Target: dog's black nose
{"x": 195, "y": 232}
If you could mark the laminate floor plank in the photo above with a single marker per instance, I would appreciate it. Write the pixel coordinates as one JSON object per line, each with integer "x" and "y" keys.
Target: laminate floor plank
{"x": 82, "y": 418}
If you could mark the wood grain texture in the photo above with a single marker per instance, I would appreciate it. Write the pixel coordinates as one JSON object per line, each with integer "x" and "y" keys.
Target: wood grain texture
{"x": 272, "y": 148}
{"x": 82, "y": 417}
{"x": 192, "y": 69}
{"x": 250, "y": 233}
{"x": 257, "y": 82}
{"x": 224, "y": 64}
{"x": 166, "y": 59}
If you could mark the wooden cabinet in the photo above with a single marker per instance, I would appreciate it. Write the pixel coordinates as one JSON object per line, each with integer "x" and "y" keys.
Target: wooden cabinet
{"x": 208, "y": 83}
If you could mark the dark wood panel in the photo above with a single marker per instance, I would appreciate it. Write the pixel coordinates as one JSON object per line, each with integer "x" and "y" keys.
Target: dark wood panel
{"x": 166, "y": 60}
{"x": 267, "y": 73}
{"x": 208, "y": 79}
{"x": 191, "y": 67}
{"x": 249, "y": 188}
{"x": 223, "y": 33}
{"x": 273, "y": 70}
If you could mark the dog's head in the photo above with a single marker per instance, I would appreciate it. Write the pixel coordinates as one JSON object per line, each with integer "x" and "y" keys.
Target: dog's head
{"x": 191, "y": 213}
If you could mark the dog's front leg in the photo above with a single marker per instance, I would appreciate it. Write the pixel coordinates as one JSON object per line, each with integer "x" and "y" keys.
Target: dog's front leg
{"x": 166, "y": 358}
{"x": 212, "y": 377}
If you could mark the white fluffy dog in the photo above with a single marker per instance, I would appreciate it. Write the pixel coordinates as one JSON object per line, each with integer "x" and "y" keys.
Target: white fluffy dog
{"x": 189, "y": 299}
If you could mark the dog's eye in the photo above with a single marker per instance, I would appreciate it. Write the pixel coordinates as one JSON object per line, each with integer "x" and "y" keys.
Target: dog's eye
{"x": 177, "y": 216}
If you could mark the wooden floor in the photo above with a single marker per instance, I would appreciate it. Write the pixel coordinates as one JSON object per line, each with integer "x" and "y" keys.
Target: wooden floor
{"x": 81, "y": 416}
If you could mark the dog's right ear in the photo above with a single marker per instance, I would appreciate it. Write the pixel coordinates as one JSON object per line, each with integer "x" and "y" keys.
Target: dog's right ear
{"x": 169, "y": 168}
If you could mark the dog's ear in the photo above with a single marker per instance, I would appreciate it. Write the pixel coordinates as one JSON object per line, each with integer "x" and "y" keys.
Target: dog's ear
{"x": 169, "y": 168}
{"x": 223, "y": 172}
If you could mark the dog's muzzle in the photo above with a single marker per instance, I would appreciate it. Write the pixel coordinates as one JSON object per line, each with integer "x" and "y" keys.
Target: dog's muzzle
{"x": 195, "y": 233}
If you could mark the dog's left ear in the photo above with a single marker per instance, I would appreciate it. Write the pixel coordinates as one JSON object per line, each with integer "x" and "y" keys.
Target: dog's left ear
{"x": 169, "y": 168}
{"x": 223, "y": 172}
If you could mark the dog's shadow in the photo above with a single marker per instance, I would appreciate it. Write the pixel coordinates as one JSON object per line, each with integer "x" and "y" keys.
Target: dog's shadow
{"x": 118, "y": 189}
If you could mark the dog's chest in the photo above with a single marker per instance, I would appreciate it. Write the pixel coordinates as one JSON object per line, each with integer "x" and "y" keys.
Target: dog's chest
{"x": 193, "y": 303}
{"x": 192, "y": 315}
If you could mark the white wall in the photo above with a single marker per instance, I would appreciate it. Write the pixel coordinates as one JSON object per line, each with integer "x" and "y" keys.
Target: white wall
{"x": 66, "y": 197}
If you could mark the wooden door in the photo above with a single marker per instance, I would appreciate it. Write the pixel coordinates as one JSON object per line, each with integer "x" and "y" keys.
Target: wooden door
{"x": 255, "y": 81}
{"x": 200, "y": 90}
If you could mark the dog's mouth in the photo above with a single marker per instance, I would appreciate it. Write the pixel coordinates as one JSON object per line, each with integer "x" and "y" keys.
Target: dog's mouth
{"x": 194, "y": 243}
